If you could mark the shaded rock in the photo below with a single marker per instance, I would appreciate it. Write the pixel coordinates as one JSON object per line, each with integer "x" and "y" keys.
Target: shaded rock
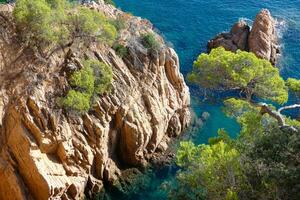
{"x": 93, "y": 186}
{"x": 131, "y": 182}
{"x": 174, "y": 128}
{"x": 261, "y": 39}
{"x": 236, "y": 39}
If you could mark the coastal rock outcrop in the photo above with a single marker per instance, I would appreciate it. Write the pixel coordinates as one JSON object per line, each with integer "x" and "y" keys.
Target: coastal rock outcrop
{"x": 236, "y": 39}
{"x": 261, "y": 40}
{"x": 46, "y": 153}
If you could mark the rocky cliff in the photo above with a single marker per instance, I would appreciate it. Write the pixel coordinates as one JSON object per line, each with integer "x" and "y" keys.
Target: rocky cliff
{"x": 261, "y": 39}
{"x": 48, "y": 153}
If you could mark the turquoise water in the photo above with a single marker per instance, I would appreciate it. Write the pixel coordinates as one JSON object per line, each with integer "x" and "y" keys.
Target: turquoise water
{"x": 188, "y": 25}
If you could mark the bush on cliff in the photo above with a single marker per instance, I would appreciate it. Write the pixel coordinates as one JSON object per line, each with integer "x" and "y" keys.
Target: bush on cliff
{"x": 83, "y": 80}
{"x": 149, "y": 41}
{"x": 120, "y": 49}
{"x": 94, "y": 78}
{"x": 76, "y": 101}
{"x": 102, "y": 74}
{"x": 46, "y": 25}
{"x": 111, "y": 2}
{"x": 119, "y": 23}
{"x": 90, "y": 25}
{"x": 35, "y": 21}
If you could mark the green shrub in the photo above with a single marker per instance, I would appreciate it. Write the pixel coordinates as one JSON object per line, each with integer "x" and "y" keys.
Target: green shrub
{"x": 149, "y": 41}
{"x": 215, "y": 168}
{"x": 293, "y": 84}
{"x": 103, "y": 75}
{"x": 77, "y": 101}
{"x": 111, "y": 2}
{"x": 35, "y": 21}
{"x": 83, "y": 80}
{"x": 94, "y": 78}
{"x": 44, "y": 24}
{"x": 243, "y": 71}
{"x": 119, "y": 23}
{"x": 121, "y": 50}
{"x": 89, "y": 24}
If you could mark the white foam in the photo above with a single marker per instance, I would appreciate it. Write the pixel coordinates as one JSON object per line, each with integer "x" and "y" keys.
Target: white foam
{"x": 281, "y": 27}
{"x": 247, "y": 20}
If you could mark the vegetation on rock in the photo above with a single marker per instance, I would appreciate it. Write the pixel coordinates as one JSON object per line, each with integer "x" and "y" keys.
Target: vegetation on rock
{"x": 36, "y": 23}
{"x": 110, "y": 2}
{"x": 46, "y": 25}
{"x": 76, "y": 101}
{"x": 149, "y": 41}
{"x": 119, "y": 23}
{"x": 263, "y": 161}
{"x": 293, "y": 84}
{"x": 225, "y": 70}
{"x": 94, "y": 78}
{"x": 120, "y": 49}
{"x": 87, "y": 25}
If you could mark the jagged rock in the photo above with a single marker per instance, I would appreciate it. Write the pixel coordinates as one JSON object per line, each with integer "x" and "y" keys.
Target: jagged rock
{"x": 93, "y": 186}
{"x": 174, "y": 128}
{"x": 48, "y": 154}
{"x": 236, "y": 39}
{"x": 261, "y": 39}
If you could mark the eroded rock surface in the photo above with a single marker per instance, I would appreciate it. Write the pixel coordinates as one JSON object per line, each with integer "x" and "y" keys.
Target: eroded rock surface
{"x": 47, "y": 153}
{"x": 262, "y": 39}
{"x": 236, "y": 39}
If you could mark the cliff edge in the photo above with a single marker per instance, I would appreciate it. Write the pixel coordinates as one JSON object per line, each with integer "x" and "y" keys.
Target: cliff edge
{"x": 47, "y": 153}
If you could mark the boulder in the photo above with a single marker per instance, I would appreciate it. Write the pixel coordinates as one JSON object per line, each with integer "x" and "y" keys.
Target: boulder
{"x": 261, "y": 39}
{"x": 236, "y": 39}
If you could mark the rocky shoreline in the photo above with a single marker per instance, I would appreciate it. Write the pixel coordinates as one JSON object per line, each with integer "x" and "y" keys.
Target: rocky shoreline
{"x": 262, "y": 39}
{"x": 66, "y": 156}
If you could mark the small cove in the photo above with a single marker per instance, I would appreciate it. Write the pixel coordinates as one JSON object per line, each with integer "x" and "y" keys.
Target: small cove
{"x": 188, "y": 26}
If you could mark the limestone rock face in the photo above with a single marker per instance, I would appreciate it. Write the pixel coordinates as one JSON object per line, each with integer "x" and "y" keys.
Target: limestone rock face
{"x": 261, "y": 39}
{"x": 47, "y": 153}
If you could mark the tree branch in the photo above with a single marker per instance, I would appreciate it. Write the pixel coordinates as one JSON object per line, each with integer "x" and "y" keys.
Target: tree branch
{"x": 289, "y": 107}
{"x": 278, "y": 116}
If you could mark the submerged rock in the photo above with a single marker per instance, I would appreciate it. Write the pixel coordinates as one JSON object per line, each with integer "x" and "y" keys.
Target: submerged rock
{"x": 261, "y": 39}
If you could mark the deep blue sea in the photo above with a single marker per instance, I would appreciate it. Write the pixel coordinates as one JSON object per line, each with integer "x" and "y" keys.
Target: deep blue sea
{"x": 188, "y": 25}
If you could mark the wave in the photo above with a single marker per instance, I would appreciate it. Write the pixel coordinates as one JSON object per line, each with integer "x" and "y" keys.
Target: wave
{"x": 247, "y": 20}
{"x": 281, "y": 27}
{"x": 280, "y": 24}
